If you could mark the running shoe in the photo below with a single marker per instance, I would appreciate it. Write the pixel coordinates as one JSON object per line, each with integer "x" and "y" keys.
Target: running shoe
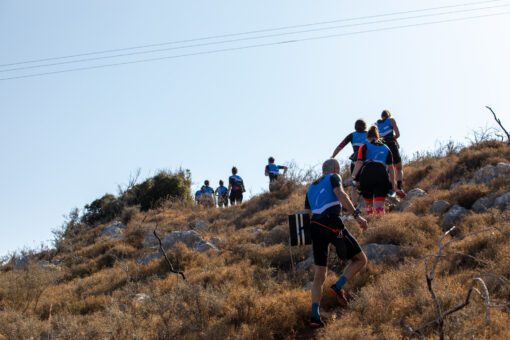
{"x": 391, "y": 194}
{"x": 316, "y": 322}
{"x": 339, "y": 294}
{"x": 401, "y": 193}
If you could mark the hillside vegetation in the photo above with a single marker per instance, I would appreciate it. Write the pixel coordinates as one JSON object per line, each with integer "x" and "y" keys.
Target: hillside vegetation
{"x": 107, "y": 280}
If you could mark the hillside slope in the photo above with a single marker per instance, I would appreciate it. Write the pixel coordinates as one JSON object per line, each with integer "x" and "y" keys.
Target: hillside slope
{"x": 243, "y": 280}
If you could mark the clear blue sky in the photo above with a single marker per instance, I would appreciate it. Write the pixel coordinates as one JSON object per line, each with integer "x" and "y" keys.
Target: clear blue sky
{"x": 67, "y": 139}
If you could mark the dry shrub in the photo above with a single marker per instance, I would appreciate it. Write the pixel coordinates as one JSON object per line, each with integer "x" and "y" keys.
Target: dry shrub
{"x": 466, "y": 195}
{"x": 404, "y": 229}
{"x": 16, "y": 326}
{"x": 21, "y": 289}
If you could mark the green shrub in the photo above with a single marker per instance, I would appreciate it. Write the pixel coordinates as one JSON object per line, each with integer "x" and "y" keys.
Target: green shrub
{"x": 165, "y": 185}
{"x": 102, "y": 210}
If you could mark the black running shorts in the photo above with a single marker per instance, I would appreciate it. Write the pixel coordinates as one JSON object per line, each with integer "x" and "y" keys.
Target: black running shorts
{"x": 392, "y": 145}
{"x": 345, "y": 244}
{"x": 236, "y": 196}
{"x": 374, "y": 181}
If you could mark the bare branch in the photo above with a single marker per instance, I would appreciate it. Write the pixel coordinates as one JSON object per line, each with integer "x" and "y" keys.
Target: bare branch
{"x": 499, "y": 123}
{"x": 166, "y": 257}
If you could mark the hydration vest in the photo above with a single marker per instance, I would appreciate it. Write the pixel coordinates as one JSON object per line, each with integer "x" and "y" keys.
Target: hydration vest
{"x": 207, "y": 190}
{"x": 385, "y": 128}
{"x": 238, "y": 182}
{"x": 273, "y": 169}
{"x": 321, "y": 195}
{"x": 358, "y": 139}
{"x": 377, "y": 153}
{"x": 222, "y": 190}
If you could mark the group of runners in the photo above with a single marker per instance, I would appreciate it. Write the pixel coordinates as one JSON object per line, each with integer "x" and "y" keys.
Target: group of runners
{"x": 221, "y": 196}
{"x": 376, "y": 172}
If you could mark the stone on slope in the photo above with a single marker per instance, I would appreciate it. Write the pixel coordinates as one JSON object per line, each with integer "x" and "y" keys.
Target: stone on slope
{"x": 379, "y": 252}
{"x": 453, "y": 215}
{"x": 203, "y": 246}
{"x": 484, "y": 203}
{"x": 488, "y": 173}
{"x": 440, "y": 206}
{"x": 147, "y": 258}
{"x": 188, "y": 238}
{"x": 416, "y": 192}
{"x": 305, "y": 265}
{"x": 502, "y": 200}
{"x": 114, "y": 230}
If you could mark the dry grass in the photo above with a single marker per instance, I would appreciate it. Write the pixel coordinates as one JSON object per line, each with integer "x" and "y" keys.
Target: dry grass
{"x": 249, "y": 290}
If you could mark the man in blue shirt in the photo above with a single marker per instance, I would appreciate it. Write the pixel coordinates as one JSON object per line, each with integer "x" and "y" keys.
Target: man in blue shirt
{"x": 273, "y": 171}
{"x": 222, "y": 193}
{"x": 207, "y": 197}
{"x": 324, "y": 200}
{"x": 235, "y": 187}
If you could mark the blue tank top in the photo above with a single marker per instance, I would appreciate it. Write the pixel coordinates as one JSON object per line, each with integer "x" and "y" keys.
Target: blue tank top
{"x": 198, "y": 194}
{"x": 222, "y": 190}
{"x": 321, "y": 195}
{"x": 359, "y": 138}
{"x": 377, "y": 153}
{"x": 273, "y": 169}
{"x": 207, "y": 190}
{"x": 385, "y": 128}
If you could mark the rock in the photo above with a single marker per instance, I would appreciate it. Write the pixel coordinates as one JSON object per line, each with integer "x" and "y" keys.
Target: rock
{"x": 488, "y": 173}
{"x": 149, "y": 258}
{"x": 199, "y": 225}
{"x": 484, "y": 203}
{"x": 379, "y": 252}
{"x": 204, "y": 246}
{"x": 114, "y": 230}
{"x": 453, "y": 215}
{"x": 308, "y": 286}
{"x": 305, "y": 265}
{"x": 440, "y": 206}
{"x": 21, "y": 262}
{"x": 279, "y": 234}
{"x": 417, "y": 192}
{"x": 404, "y": 205}
{"x": 188, "y": 237}
{"x": 502, "y": 200}
{"x": 217, "y": 241}
{"x": 141, "y": 298}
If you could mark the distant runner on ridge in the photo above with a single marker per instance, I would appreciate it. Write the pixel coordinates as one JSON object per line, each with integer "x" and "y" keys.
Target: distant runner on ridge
{"x": 222, "y": 193}
{"x": 273, "y": 171}
{"x": 235, "y": 187}
{"x": 207, "y": 197}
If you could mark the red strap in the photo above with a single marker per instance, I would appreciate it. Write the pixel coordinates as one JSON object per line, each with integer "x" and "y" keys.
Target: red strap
{"x": 336, "y": 231}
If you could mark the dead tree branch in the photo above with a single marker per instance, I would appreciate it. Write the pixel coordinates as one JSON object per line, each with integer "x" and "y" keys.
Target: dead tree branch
{"x": 500, "y": 124}
{"x": 166, "y": 257}
{"x": 441, "y": 315}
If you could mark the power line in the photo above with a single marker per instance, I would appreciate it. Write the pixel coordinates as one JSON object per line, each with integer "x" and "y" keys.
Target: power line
{"x": 249, "y": 32}
{"x": 252, "y": 38}
{"x": 257, "y": 45}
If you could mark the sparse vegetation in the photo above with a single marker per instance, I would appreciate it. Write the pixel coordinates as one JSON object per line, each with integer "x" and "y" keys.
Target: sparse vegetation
{"x": 95, "y": 287}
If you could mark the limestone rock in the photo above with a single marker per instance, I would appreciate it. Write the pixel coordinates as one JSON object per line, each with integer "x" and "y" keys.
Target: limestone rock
{"x": 188, "y": 237}
{"x": 404, "y": 205}
{"x": 114, "y": 230}
{"x": 379, "y": 252}
{"x": 416, "y": 192}
{"x": 149, "y": 258}
{"x": 203, "y": 246}
{"x": 199, "y": 225}
{"x": 488, "y": 173}
{"x": 453, "y": 215}
{"x": 502, "y": 200}
{"x": 305, "y": 265}
{"x": 440, "y": 206}
{"x": 484, "y": 203}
